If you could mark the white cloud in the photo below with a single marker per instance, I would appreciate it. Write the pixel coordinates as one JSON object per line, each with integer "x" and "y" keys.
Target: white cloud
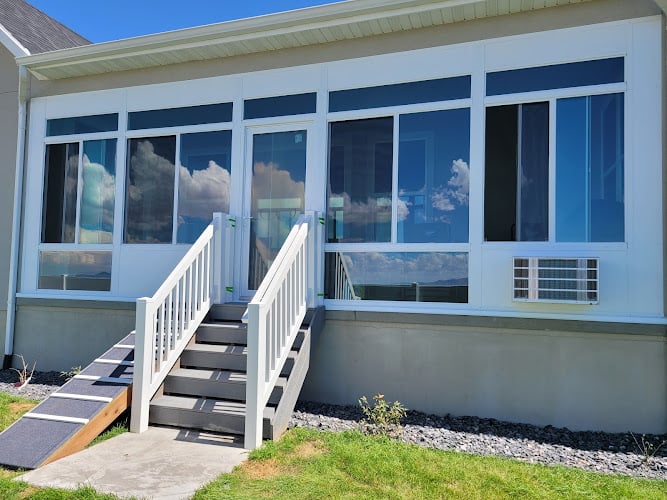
{"x": 203, "y": 192}
{"x": 97, "y": 203}
{"x": 384, "y": 268}
{"x": 150, "y": 195}
{"x": 456, "y": 193}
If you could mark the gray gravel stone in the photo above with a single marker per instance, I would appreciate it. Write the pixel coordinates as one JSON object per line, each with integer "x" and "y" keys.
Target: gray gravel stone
{"x": 607, "y": 453}
{"x": 41, "y": 385}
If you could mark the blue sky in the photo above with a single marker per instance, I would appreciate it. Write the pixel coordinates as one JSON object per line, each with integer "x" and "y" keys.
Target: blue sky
{"x": 104, "y": 20}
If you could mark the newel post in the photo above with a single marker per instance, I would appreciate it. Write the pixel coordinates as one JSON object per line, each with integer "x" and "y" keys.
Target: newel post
{"x": 143, "y": 354}
{"x": 256, "y": 376}
{"x": 314, "y": 259}
{"x": 217, "y": 267}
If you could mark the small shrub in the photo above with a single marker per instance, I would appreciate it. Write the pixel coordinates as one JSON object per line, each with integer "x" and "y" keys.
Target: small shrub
{"x": 23, "y": 374}
{"x": 646, "y": 448}
{"x": 382, "y": 418}
{"x": 68, "y": 374}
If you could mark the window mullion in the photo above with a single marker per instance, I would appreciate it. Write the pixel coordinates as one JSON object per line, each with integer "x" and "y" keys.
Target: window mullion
{"x": 177, "y": 165}
{"x": 79, "y": 193}
{"x": 394, "y": 181}
{"x": 552, "y": 170}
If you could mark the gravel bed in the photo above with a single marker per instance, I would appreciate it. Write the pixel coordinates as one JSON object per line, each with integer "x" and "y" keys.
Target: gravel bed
{"x": 593, "y": 451}
{"x": 41, "y": 385}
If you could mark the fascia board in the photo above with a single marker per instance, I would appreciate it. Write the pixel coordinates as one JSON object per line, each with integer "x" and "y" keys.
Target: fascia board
{"x": 662, "y": 4}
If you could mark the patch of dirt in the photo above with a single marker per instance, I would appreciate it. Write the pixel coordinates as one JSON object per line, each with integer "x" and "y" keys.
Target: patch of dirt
{"x": 28, "y": 492}
{"x": 264, "y": 469}
{"x": 7, "y": 474}
{"x": 309, "y": 449}
{"x": 17, "y": 408}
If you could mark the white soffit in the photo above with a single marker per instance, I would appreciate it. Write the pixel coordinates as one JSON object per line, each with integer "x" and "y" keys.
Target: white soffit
{"x": 298, "y": 28}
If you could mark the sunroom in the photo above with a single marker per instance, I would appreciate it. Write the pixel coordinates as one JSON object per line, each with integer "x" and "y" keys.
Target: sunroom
{"x": 434, "y": 188}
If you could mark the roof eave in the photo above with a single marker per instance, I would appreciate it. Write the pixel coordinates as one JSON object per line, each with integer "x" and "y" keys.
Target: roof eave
{"x": 291, "y": 29}
{"x": 12, "y": 44}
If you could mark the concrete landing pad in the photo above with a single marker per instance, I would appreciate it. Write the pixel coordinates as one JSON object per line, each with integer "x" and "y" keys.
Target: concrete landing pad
{"x": 160, "y": 463}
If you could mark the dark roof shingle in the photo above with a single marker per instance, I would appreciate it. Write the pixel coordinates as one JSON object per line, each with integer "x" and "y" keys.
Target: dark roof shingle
{"x": 36, "y": 31}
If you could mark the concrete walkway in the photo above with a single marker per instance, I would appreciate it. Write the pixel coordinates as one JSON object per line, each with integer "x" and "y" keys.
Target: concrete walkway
{"x": 159, "y": 463}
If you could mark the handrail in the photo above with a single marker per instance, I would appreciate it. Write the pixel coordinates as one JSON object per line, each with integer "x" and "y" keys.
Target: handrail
{"x": 166, "y": 322}
{"x": 275, "y": 315}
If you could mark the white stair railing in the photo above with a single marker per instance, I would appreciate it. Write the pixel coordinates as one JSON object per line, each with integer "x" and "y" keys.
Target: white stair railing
{"x": 343, "y": 287}
{"x": 275, "y": 315}
{"x": 166, "y": 322}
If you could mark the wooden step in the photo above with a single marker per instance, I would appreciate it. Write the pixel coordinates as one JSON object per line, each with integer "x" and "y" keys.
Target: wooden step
{"x": 207, "y": 414}
{"x": 218, "y": 384}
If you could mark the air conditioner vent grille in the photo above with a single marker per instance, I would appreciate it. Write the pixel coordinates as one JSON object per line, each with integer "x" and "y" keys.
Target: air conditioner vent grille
{"x": 556, "y": 279}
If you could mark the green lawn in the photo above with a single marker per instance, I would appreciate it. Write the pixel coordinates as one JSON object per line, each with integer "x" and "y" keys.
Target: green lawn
{"x": 11, "y": 408}
{"x": 311, "y": 464}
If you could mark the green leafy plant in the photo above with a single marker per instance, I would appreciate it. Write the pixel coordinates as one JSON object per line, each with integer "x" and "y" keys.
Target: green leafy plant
{"x": 68, "y": 374}
{"x": 22, "y": 372}
{"x": 382, "y": 418}
{"x": 646, "y": 448}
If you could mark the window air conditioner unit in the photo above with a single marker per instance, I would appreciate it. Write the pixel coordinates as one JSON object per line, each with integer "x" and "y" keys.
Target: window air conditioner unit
{"x": 556, "y": 279}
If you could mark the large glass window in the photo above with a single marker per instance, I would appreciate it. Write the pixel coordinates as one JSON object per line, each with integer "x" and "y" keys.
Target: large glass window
{"x": 98, "y": 191}
{"x": 149, "y": 208}
{"x": 60, "y": 192}
{"x": 360, "y": 180}
{"x": 202, "y": 186}
{"x": 517, "y": 173}
{"x": 76, "y": 270}
{"x": 204, "y": 181}
{"x": 589, "y": 172}
{"x": 399, "y": 208}
{"x": 589, "y": 169}
{"x": 433, "y": 177}
{"x": 397, "y": 276}
{"x": 79, "y": 192}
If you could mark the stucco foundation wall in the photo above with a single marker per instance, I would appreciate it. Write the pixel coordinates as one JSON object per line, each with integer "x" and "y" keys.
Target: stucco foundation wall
{"x": 58, "y": 337}
{"x": 613, "y": 382}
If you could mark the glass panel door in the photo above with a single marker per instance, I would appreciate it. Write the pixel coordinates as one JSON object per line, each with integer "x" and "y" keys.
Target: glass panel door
{"x": 276, "y": 174}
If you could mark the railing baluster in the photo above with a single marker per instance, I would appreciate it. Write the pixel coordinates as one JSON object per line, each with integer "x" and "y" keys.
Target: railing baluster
{"x": 166, "y": 322}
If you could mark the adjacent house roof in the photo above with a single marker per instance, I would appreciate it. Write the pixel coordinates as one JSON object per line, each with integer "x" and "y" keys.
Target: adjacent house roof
{"x": 26, "y": 30}
{"x": 311, "y": 26}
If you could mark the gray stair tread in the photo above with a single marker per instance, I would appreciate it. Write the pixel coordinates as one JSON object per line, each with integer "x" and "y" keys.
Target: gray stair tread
{"x": 206, "y": 405}
{"x": 93, "y": 388}
{"x": 217, "y": 348}
{"x": 226, "y": 376}
{"x": 108, "y": 370}
{"x": 75, "y": 408}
